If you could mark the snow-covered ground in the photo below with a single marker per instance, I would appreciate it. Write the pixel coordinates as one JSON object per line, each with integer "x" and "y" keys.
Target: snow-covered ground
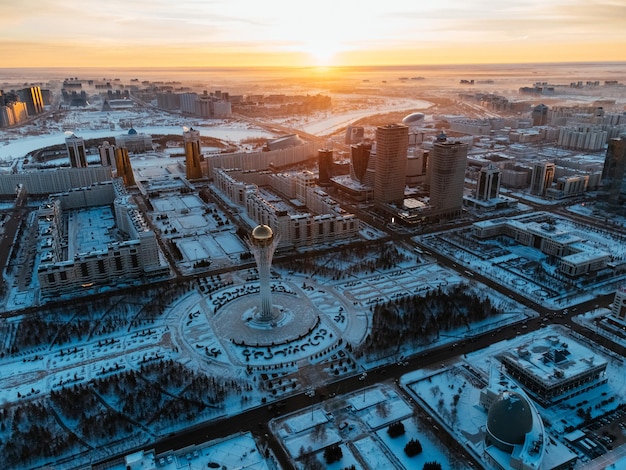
{"x": 527, "y": 270}
{"x": 359, "y": 421}
{"x": 465, "y": 419}
{"x": 235, "y": 452}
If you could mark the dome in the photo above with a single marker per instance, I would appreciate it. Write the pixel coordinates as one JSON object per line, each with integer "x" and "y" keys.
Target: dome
{"x": 132, "y": 131}
{"x": 413, "y": 119}
{"x": 509, "y": 419}
{"x": 262, "y": 235}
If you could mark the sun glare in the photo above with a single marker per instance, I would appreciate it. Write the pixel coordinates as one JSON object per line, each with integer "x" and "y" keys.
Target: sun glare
{"x": 322, "y": 53}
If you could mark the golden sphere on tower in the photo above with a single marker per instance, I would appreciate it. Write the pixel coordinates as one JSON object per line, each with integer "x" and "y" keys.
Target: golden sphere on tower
{"x": 262, "y": 235}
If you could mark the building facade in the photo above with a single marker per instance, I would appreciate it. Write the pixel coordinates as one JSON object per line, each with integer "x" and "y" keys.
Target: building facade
{"x": 488, "y": 183}
{"x": 124, "y": 168}
{"x": 191, "y": 140}
{"x": 542, "y": 178}
{"x": 107, "y": 154}
{"x": 448, "y": 161}
{"x": 325, "y": 164}
{"x": 67, "y": 265}
{"x": 392, "y": 143}
{"x": 76, "y": 151}
{"x": 613, "y": 180}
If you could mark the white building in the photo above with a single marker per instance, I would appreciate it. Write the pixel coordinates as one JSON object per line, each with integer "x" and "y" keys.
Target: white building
{"x": 76, "y": 245}
{"x": 295, "y": 226}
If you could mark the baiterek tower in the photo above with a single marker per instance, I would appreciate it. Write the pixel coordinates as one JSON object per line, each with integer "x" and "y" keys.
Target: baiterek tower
{"x": 262, "y": 243}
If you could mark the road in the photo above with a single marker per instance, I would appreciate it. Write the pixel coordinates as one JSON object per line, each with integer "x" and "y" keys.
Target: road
{"x": 256, "y": 420}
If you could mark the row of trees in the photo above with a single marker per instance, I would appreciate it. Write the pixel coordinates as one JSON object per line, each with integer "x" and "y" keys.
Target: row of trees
{"x": 93, "y": 317}
{"x": 110, "y": 408}
{"x": 416, "y": 318}
{"x": 349, "y": 261}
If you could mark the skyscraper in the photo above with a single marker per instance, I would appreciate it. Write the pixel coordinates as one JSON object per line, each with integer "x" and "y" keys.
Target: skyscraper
{"x": 540, "y": 115}
{"x": 33, "y": 99}
{"x": 542, "y": 178}
{"x": 325, "y": 163}
{"x": 488, "y": 184}
{"x": 107, "y": 154}
{"x": 613, "y": 171}
{"x": 191, "y": 139}
{"x": 360, "y": 161}
{"x": 124, "y": 169}
{"x": 76, "y": 151}
{"x": 392, "y": 142}
{"x": 448, "y": 161}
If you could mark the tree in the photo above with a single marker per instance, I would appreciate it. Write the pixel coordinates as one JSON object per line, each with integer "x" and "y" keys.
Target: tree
{"x": 432, "y": 466}
{"x": 395, "y": 429}
{"x": 333, "y": 454}
{"x": 413, "y": 448}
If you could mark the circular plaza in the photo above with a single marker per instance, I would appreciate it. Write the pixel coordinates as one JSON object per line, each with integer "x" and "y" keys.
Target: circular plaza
{"x": 221, "y": 326}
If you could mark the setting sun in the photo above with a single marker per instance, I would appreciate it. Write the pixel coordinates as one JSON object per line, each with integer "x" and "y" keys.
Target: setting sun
{"x": 327, "y": 33}
{"x": 322, "y": 52}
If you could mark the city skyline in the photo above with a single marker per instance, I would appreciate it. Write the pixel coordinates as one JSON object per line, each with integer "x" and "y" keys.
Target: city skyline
{"x": 239, "y": 33}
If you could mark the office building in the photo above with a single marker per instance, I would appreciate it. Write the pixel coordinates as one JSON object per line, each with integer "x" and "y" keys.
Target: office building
{"x": 124, "y": 169}
{"x": 488, "y": 184}
{"x": 447, "y": 177}
{"x": 191, "y": 139}
{"x": 360, "y": 163}
{"x": 134, "y": 141}
{"x": 325, "y": 163}
{"x": 613, "y": 171}
{"x": 76, "y": 151}
{"x": 542, "y": 178}
{"x": 107, "y": 154}
{"x": 392, "y": 143}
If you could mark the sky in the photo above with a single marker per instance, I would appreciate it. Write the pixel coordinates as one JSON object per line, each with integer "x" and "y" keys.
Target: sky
{"x": 228, "y": 33}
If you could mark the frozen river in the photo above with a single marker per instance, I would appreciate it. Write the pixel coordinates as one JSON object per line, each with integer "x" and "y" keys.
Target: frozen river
{"x": 13, "y": 146}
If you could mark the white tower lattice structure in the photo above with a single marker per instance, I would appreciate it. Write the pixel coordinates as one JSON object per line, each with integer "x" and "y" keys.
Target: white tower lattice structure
{"x": 263, "y": 243}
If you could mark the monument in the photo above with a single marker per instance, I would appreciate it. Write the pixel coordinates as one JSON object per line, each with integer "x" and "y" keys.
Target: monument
{"x": 262, "y": 243}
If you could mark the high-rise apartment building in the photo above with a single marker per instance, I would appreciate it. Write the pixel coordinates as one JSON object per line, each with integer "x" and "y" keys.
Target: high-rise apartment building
{"x": 13, "y": 113}
{"x": 613, "y": 179}
{"x": 488, "y": 184}
{"x": 76, "y": 151}
{"x": 542, "y": 178}
{"x": 33, "y": 99}
{"x": 540, "y": 115}
{"x": 448, "y": 162}
{"x": 392, "y": 143}
{"x": 191, "y": 139}
{"x": 188, "y": 103}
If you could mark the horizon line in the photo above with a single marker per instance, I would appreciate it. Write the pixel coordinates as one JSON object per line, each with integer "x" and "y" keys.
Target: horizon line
{"x": 382, "y": 66}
